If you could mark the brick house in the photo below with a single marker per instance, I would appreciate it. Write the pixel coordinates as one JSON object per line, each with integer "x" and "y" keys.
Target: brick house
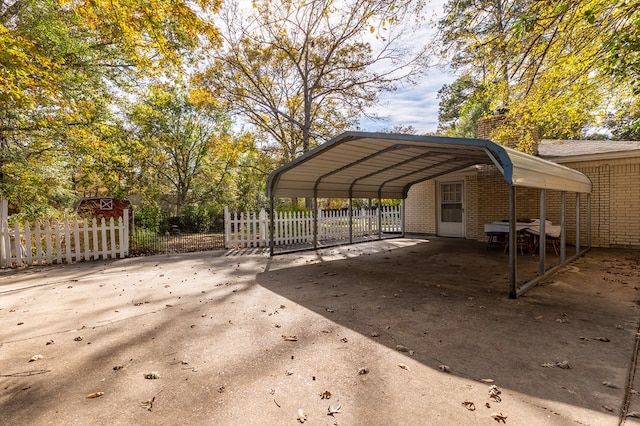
{"x": 612, "y": 166}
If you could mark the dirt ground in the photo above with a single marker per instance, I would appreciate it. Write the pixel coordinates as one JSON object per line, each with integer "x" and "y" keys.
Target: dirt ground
{"x": 408, "y": 331}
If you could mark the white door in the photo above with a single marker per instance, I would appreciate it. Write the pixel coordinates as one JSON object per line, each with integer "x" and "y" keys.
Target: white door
{"x": 451, "y": 209}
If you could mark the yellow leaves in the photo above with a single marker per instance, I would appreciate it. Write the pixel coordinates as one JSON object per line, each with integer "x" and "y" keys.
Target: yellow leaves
{"x": 203, "y": 98}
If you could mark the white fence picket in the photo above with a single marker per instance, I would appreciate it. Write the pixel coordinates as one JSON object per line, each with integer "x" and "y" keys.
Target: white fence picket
{"x": 47, "y": 242}
{"x": 244, "y": 230}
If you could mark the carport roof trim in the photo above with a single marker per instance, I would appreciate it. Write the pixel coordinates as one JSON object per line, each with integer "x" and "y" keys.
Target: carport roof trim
{"x": 354, "y": 160}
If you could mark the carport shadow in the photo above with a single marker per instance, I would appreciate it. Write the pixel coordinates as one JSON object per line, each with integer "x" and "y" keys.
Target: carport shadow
{"x": 445, "y": 303}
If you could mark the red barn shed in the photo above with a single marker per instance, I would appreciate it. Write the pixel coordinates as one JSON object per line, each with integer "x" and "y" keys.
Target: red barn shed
{"x": 104, "y": 207}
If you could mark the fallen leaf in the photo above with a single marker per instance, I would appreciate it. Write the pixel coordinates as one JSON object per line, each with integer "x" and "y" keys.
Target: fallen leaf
{"x": 404, "y": 367}
{"x": 499, "y": 417}
{"x": 610, "y": 385}
{"x": 290, "y": 338}
{"x": 148, "y": 405}
{"x": 95, "y": 395}
{"x": 333, "y": 410}
{"x": 36, "y": 358}
{"x": 152, "y": 375}
{"x": 302, "y": 417}
{"x": 469, "y": 405}
{"x": 494, "y": 393}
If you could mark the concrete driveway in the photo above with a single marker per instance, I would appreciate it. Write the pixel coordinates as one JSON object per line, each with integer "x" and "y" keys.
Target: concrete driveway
{"x": 404, "y": 332}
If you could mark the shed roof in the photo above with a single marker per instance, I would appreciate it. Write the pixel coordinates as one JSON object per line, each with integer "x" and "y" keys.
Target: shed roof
{"x": 381, "y": 165}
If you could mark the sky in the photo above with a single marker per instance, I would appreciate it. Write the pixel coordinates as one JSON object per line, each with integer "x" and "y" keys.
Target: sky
{"x": 413, "y": 105}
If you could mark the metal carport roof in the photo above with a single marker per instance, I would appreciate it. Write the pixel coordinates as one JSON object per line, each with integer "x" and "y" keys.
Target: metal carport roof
{"x": 379, "y": 165}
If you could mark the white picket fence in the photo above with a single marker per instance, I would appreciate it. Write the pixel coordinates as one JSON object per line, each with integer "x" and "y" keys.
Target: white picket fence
{"x": 246, "y": 229}
{"x": 66, "y": 241}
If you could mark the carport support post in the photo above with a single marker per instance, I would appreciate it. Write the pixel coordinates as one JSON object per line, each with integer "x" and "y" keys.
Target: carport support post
{"x": 512, "y": 243}
{"x": 350, "y": 219}
{"x": 577, "y": 223}
{"x": 369, "y": 219}
{"x": 315, "y": 221}
{"x": 563, "y": 224}
{"x": 589, "y": 220}
{"x": 379, "y": 215}
{"x": 402, "y": 217}
{"x": 542, "y": 237}
{"x": 272, "y": 223}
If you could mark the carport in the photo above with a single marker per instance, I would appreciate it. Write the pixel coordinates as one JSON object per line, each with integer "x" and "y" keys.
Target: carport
{"x": 379, "y": 165}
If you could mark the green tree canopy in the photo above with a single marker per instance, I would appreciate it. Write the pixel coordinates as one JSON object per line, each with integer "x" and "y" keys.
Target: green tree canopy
{"x": 64, "y": 63}
{"x": 545, "y": 62}
{"x": 185, "y": 150}
{"x": 302, "y": 70}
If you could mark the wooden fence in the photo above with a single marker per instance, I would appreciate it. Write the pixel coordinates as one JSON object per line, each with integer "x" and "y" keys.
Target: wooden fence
{"x": 246, "y": 229}
{"x": 66, "y": 241}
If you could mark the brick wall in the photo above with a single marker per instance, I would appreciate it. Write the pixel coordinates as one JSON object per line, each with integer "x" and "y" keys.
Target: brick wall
{"x": 471, "y": 205}
{"x": 493, "y": 200}
{"x": 489, "y": 124}
{"x": 625, "y": 202}
{"x": 420, "y": 208}
{"x": 615, "y": 202}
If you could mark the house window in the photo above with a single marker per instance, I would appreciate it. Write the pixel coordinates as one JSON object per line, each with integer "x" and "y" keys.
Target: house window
{"x": 106, "y": 204}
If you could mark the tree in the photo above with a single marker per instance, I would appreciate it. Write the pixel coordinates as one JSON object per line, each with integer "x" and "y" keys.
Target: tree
{"x": 623, "y": 45}
{"x": 462, "y": 103}
{"x": 185, "y": 150}
{"x": 63, "y": 64}
{"x": 542, "y": 62}
{"x": 302, "y": 70}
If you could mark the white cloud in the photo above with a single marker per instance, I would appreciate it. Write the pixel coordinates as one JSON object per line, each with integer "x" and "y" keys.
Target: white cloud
{"x": 414, "y": 105}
